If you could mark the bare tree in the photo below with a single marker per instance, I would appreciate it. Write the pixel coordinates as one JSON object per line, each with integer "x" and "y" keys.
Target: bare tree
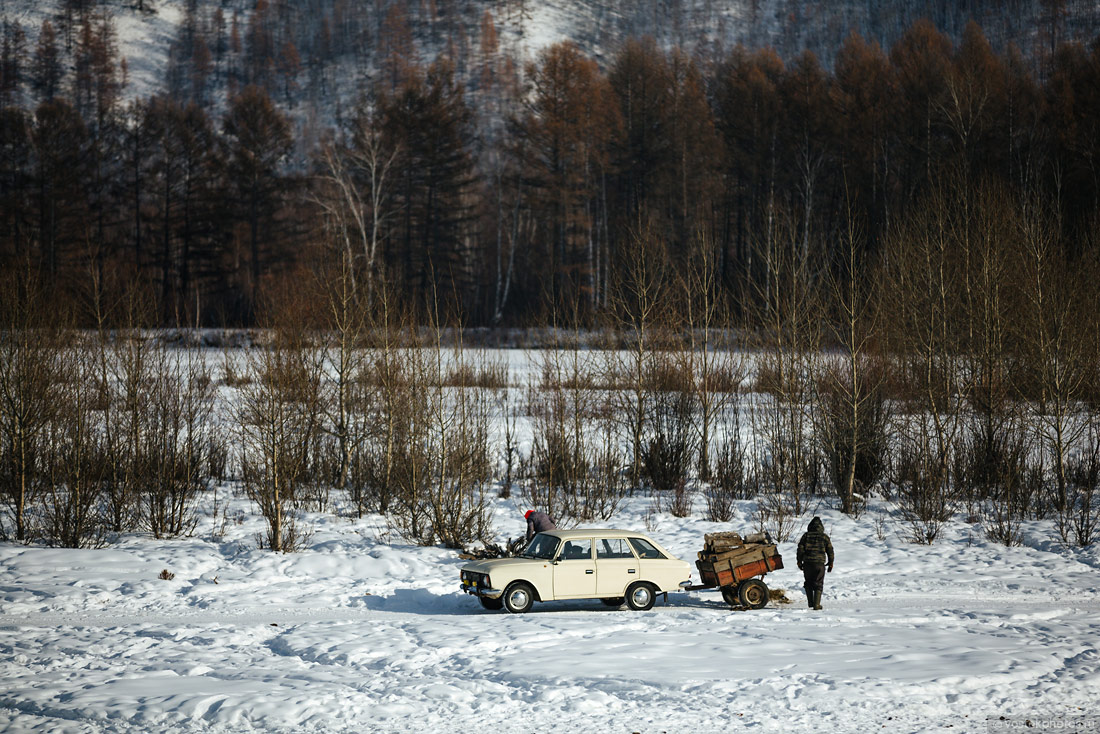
{"x": 787, "y": 326}
{"x": 354, "y": 196}
{"x": 1059, "y": 353}
{"x": 639, "y": 307}
{"x": 924, "y": 280}
{"x": 346, "y": 324}
{"x": 851, "y": 403}
{"x": 30, "y": 387}
{"x": 278, "y": 418}
{"x": 715, "y": 368}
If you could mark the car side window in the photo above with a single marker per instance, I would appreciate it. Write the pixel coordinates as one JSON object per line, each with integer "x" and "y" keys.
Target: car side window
{"x": 577, "y": 550}
{"x": 613, "y": 548}
{"x": 645, "y": 549}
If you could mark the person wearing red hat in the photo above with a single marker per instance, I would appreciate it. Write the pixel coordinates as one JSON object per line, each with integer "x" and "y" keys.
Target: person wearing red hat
{"x": 537, "y": 522}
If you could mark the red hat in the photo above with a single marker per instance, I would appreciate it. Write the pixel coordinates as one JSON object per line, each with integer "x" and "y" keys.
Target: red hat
{"x": 527, "y": 515}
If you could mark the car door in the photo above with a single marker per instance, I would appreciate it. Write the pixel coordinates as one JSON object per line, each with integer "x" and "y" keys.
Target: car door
{"x": 616, "y": 566}
{"x": 575, "y": 571}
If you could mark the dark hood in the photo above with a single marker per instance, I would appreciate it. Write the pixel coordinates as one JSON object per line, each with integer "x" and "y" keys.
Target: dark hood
{"x": 816, "y": 526}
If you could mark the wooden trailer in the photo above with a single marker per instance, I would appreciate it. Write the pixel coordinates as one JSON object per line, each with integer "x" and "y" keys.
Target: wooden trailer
{"x": 733, "y": 563}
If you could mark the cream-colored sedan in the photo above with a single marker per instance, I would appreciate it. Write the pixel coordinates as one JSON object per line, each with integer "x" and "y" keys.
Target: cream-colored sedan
{"x": 611, "y": 565}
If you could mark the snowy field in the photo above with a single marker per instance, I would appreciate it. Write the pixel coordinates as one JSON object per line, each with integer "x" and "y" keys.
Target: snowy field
{"x": 359, "y": 633}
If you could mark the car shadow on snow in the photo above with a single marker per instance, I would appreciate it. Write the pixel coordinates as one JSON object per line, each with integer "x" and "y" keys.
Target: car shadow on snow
{"x": 422, "y": 601}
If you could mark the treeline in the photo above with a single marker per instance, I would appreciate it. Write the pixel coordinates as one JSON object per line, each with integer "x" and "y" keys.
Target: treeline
{"x": 517, "y": 196}
{"x": 967, "y": 387}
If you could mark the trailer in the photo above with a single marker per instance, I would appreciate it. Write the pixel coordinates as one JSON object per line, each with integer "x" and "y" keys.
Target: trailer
{"x": 732, "y": 564}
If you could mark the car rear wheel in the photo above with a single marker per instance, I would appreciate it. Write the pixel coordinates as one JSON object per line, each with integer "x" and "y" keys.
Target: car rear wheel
{"x": 491, "y": 604}
{"x": 640, "y": 596}
{"x": 519, "y": 597}
{"x": 753, "y": 594}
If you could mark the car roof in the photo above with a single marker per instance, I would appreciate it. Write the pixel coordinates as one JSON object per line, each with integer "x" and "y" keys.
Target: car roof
{"x": 595, "y": 533}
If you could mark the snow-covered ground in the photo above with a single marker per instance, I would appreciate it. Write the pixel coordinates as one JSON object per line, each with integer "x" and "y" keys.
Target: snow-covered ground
{"x": 360, "y": 633}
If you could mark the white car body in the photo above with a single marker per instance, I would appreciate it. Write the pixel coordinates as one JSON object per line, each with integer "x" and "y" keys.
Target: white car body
{"x": 607, "y": 564}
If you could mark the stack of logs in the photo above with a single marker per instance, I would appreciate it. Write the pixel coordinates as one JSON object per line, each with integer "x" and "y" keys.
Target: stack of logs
{"x": 727, "y": 558}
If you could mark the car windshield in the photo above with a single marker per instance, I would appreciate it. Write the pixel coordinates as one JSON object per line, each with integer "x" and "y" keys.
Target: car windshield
{"x": 542, "y": 546}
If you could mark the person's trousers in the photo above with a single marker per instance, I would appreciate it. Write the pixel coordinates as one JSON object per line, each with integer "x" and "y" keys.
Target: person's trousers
{"x": 815, "y": 576}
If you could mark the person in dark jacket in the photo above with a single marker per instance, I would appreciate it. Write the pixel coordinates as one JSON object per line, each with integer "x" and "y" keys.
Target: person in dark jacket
{"x": 815, "y": 555}
{"x": 537, "y": 522}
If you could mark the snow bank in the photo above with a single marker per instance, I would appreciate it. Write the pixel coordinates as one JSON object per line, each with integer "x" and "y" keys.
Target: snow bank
{"x": 355, "y": 635}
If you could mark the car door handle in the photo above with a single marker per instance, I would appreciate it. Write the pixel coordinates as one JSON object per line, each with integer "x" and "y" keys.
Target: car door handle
{"x": 630, "y": 570}
{"x": 589, "y": 570}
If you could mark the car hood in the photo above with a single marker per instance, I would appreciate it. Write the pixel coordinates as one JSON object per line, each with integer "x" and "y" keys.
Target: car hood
{"x": 500, "y": 563}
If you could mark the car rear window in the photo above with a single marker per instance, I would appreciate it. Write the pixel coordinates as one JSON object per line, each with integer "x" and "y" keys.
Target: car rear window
{"x": 613, "y": 548}
{"x": 645, "y": 549}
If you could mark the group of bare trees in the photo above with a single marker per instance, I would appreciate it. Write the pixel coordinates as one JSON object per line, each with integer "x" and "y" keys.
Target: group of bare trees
{"x": 964, "y": 386}
{"x": 103, "y": 431}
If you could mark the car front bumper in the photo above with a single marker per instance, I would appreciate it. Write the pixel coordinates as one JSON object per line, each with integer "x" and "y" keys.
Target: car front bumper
{"x": 487, "y": 593}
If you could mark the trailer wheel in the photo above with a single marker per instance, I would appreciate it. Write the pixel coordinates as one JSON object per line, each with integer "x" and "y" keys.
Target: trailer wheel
{"x": 729, "y": 595}
{"x": 640, "y": 596}
{"x": 753, "y": 594}
{"x": 491, "y": 604}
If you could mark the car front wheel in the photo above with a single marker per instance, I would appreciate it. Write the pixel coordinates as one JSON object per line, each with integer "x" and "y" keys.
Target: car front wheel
{"x": 519, "y": 597}
{"x": 640, "y": 596}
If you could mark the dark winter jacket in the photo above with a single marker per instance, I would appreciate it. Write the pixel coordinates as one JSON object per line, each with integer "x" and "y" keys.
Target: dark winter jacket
{"x": 815, "y": 546}
{"x": 539, "y": 522}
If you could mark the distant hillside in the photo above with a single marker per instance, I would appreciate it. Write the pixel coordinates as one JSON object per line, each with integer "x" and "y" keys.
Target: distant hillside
{"x": 336, "y": 46}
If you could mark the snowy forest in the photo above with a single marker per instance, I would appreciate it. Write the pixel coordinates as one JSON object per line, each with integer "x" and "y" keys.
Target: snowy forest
{"x": 806, "y": 279}
{"x": 431, "y": 148}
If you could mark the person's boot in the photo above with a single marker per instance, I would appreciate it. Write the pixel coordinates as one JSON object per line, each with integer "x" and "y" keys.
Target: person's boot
{"x": 817, "y": 598}
{"x": 809, "y": 598}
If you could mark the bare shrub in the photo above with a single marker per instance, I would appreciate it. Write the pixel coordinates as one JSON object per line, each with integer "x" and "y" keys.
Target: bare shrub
{"x": 921, "y": 475}
{"x": 925, "y": 278}
{"x": 278, "y": 417}
{"x": 997, "y": 478}
{"x": 728, "y": 480}
{"x": 575, "y": 470}
{"x": 1079, "y": 522}
{"x": 680, "y": 500}
{"x": 397, "y": 402}
{"x": 786, "y": 321}
{"x": 78, "y": 463}
{"x": 493, "y": 374}
{"x": 174, "y": 452}
{"x": 510, "y": 450}
{"x": 670, "y": 451}
{"x": 442, "y": 475}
